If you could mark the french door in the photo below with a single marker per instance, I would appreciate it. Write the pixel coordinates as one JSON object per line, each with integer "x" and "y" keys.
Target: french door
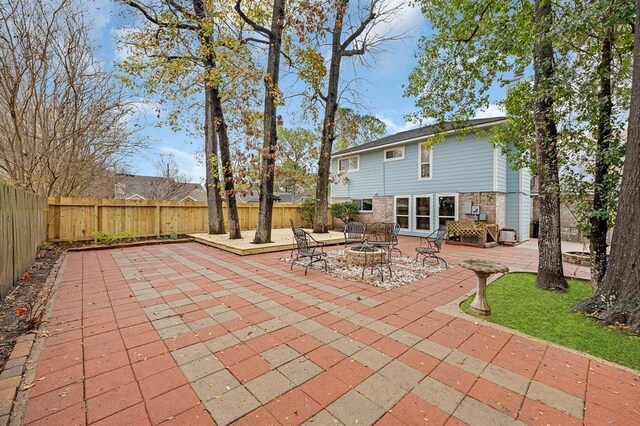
{"x": 446, "y": 208}
{"x": 402, "y": 211}
{"x": 413, "y": 212}
{"x": 422, "y": 213}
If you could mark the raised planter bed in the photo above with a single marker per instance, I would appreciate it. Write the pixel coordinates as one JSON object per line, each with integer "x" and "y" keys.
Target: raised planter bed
{"x": 577, "y": 257}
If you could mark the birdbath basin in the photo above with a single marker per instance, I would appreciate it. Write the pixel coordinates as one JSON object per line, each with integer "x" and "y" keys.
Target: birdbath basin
{"x": 483, "y": 269}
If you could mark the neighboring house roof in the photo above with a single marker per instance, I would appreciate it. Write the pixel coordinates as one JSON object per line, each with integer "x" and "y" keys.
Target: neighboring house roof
{"x": 418, "y": 133}
{"x": 281, "y": 197}
{"x": 156, "y": 188}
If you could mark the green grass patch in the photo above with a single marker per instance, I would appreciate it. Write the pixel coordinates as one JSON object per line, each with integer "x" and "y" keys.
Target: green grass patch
{"x": 517, "y": 303}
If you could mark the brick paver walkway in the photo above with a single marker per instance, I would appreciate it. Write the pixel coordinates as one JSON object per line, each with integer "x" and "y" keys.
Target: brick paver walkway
{"x": 187, "y": 334}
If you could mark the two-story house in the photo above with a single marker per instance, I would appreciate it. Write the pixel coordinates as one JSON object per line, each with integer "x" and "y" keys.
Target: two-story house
{"x": 408, "y": 179}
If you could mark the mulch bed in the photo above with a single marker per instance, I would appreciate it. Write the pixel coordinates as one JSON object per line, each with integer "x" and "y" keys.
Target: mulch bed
{"x": 25, "y": 295}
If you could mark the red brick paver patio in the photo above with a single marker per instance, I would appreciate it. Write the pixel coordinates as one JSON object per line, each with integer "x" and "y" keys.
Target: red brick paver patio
{"x": 186, "y": 334}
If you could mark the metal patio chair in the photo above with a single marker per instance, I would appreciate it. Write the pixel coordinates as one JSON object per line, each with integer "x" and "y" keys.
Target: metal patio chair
{"x": 431, "y": 245}
{"x": 395, "y": 231}
{"x": 353, "y": 233}
{"x": 308, "y": 247}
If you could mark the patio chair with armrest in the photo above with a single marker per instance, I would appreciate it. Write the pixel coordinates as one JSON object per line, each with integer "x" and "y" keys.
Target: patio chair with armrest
{"x": 308, "y": 247}
{"x": 395, "y": 231}
{"x": 380, "y": 234}
{"x": 353, "y": 233}
{"x": 431, "y": 245}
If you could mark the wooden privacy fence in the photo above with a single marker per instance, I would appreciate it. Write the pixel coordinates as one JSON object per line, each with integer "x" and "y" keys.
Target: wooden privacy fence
{"x": 23, "y": 226}
{"x": 75, "y": 219}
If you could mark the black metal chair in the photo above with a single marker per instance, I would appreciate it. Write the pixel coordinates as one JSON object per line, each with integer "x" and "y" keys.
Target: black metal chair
{"x": 308, "y": 247}
{"x": 380, "y": 234}
{"x": 353, "y": 233}
{"x": 395, "y": 231}
{"x": 431, "y": 245}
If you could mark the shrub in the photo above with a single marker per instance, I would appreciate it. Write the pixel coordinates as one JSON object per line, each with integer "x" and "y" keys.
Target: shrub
{"x": 111, "y": 238}
{"x": 346, "y": 211}
{"x": 307, "y": 210}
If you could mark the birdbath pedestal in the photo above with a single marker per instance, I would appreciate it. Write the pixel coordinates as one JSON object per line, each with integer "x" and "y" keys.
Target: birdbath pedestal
{"x": 483, "y": 269}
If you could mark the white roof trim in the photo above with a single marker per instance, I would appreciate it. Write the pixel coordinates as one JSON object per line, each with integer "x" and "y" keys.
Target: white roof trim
{"x": 134, "y": 196}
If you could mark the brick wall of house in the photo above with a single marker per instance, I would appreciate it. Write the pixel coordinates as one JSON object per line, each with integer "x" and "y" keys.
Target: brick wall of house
{"x": 493, "y": 204}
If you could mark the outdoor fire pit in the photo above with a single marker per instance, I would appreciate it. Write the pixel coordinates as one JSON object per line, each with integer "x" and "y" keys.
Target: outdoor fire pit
{"x": 365, "y": 255}
{"x": 483, "y": 269}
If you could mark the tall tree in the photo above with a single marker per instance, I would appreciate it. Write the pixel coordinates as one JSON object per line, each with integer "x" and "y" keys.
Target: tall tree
{"x": 617, "y": 300}
{"x": 63, "y": 117}
{"x": 273, "y": 37}
{"x": 295, "y": 164}
{"x": 183, "y": 50}
{"x": 461, "y": 62}
{"x": 352, "y": 129}
{"x": 550, "y": 273}
{"x": 358, "y": 40}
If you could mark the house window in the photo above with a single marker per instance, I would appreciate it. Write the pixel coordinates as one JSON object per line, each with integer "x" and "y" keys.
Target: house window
{"x": 394, "y": 154}
{"x": 364, "y": 204}
{"x": 349, "y": 164}
{"x": 446, "y": 209}
{"x": 426, "y": 157}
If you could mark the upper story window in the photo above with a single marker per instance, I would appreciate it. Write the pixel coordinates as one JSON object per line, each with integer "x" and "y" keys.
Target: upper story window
{"x": 393, "y": 154}
{"x": 425, "y": 161}
{"x": 349, "y": 164}
{"x": 364, "y": 204}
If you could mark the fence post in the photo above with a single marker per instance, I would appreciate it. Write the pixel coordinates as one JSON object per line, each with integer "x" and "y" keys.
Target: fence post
{"x": 157, "y": 224}
{"x": 96, "y": 221}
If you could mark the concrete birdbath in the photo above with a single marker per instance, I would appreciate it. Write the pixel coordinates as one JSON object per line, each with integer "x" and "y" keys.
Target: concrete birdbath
{"x": 483, "y": 269}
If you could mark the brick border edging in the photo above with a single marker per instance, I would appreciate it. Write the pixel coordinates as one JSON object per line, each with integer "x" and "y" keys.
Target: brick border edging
{"x": 36, "y": 342}
{"x": 133, "y": 244}
{"x": 453, "y": 308}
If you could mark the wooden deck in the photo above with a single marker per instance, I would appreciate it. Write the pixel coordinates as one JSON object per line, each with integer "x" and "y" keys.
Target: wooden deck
{"x": 282, "y": 239}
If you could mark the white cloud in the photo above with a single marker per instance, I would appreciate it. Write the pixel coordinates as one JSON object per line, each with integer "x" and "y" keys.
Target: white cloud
{"x": 492, "y": 110}
{"x": 189, "y": 164}
{"x": 99, "y": 13}
{"x": 122, "y": 50}
{"x": 393, "y": 127}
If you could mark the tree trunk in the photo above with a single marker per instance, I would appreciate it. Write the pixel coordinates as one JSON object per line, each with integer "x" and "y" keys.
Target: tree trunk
{"x": 329, "y": 124}
{"x": 227, "y": 168}
{"x": 267, "y": 166}
{"x": 216, "y": 131}
{"x": 618, "y": 298}
{"x": 601, "y": 188}
{"x": 550, "y": 272}
{"x": 212, "y": 180}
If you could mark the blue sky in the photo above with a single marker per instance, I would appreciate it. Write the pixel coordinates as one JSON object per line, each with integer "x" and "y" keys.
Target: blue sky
{"x": 379, "y": 88}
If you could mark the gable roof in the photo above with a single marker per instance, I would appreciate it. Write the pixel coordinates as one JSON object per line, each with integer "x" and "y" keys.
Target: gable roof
{"x": 421, "y": 132}
{"x": 156, "y": 187}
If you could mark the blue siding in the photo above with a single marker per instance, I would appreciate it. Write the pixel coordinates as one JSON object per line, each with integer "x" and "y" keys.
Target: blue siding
{"x": 501, "y": 172}
{"x": 458, "y": 166}
{"x": 518, "y": 202}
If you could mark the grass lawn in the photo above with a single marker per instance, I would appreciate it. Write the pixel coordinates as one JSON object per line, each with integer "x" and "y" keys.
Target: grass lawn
{"x": 517, "y": 303}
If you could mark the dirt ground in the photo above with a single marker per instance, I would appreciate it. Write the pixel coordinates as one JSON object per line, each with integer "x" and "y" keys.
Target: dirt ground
{"x": 25, "y": 295}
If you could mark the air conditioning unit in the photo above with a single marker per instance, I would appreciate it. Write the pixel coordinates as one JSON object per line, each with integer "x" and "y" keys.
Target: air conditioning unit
{"x": 507, "y": 236}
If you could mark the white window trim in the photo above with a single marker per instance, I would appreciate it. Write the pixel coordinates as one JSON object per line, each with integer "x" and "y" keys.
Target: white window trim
{"x": 135, "y": 197}
{"x": 387, "y": 160}
{"x": 420, "y": 162}
{"x": 348, "y": 158}
{"x": 395, "y": 210}
{"x": 437, "y": 204}
{"x": 414, "y": 215}
{"x": 364, "y": 198}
